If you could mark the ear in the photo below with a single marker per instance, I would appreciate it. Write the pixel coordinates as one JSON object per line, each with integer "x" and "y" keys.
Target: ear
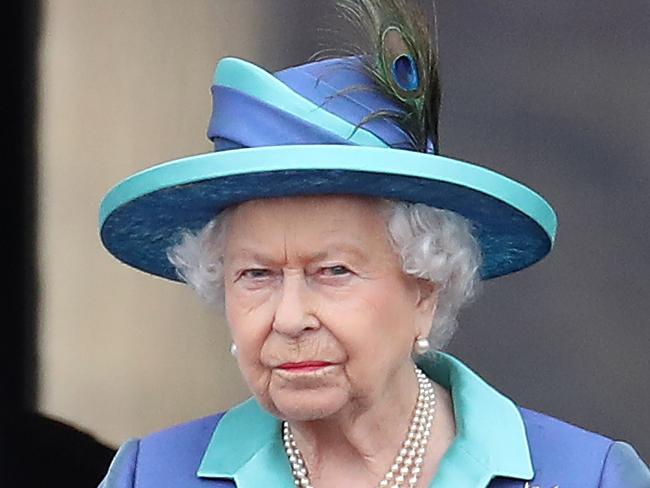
{"x": 427, "y": 301}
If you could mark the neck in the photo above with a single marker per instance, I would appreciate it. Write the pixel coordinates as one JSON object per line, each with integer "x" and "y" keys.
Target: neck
{"x": 360, "y": 442}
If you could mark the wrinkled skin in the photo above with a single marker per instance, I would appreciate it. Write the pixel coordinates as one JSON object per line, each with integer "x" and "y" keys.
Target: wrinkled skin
{"x": 315, "y": 278}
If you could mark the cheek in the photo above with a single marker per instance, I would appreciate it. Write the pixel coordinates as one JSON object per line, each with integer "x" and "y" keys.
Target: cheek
{"x": 248, "y": 313}
{"x": 249, "y": 328}
{"x": 375, "y": 324}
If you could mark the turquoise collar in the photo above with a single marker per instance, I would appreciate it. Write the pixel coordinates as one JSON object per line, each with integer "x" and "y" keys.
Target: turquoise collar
{"x": 490, "y": 437}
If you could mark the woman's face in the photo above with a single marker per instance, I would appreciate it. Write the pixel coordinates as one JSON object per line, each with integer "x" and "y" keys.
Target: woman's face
{"x": 322, "y": 315}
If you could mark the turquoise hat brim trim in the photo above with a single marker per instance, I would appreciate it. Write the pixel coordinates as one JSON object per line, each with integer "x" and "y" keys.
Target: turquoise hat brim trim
{"x": 143, "y": 215}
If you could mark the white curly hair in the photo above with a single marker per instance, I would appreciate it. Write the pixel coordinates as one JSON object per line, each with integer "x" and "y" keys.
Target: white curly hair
{"x": 433, "y": 244}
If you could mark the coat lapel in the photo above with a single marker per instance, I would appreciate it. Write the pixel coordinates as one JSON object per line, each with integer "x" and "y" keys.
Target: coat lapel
{"x": 247, "y": 447}
{"x": 490, "y": 433}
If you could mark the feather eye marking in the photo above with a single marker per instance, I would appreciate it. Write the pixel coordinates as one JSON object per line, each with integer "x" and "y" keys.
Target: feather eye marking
{"x": 404, "y": 69}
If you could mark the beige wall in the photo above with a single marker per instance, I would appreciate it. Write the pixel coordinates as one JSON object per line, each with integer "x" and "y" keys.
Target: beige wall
{"x": 125, "y": 84}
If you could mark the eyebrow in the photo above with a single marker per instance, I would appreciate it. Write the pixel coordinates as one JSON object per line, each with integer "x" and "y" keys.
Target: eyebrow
{"x": 244, "y": 252}
{"x": 338, "y": 248}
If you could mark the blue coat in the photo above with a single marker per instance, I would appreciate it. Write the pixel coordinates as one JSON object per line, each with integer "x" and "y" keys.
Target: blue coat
{"x": 497, "y": 445}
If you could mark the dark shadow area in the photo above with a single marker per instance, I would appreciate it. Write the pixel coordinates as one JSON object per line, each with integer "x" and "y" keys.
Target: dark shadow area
{"x": 53, "y": 453}
{"x": 35, "y": 450}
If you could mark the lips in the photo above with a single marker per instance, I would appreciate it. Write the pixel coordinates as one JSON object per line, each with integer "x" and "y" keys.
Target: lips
{"x": 304, "y": 365}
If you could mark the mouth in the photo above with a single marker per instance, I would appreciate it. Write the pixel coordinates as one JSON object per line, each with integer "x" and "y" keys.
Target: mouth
{"x": 304, "y": 366}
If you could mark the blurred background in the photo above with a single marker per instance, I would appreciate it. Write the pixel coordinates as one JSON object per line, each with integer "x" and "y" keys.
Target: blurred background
{"x": 554, "y": 94}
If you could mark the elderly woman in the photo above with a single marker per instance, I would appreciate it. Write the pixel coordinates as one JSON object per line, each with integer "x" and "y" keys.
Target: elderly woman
{"x": 341, "y": 246}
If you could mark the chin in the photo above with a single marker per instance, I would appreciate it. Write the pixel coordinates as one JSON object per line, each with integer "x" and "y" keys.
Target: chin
{"x": 307, "y": 405}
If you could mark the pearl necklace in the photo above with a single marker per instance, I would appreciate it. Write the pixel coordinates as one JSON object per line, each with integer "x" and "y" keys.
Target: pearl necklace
{"x": 407, "y": 466}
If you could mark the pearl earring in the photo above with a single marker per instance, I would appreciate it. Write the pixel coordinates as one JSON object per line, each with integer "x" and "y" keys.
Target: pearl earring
{"x": 233, "y": 349}
{"x": 421, "y": 345}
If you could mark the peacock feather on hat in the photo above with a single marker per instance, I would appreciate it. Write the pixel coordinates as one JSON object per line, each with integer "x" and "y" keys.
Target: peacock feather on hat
{"x": 398, "y": 51}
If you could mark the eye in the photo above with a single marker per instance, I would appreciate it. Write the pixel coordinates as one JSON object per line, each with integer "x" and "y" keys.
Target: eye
{"x": 255, "y": 273}
{"x": 338, "y": 270}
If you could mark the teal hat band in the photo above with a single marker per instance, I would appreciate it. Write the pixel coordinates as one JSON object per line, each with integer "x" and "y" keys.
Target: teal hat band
{"x": 287, "y": 116}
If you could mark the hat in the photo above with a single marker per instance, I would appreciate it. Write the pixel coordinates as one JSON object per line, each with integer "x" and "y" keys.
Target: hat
{"x": 361, "y": 125}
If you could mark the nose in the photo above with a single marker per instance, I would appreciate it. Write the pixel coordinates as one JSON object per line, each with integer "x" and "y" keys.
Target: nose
{"x": 294, "y": 313}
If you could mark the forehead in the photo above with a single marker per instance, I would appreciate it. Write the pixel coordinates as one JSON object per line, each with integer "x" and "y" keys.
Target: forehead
{"x": 315, "y": 221}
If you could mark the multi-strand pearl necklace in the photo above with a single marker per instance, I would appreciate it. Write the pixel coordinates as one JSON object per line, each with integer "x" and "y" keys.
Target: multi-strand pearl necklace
{"x": 407, "y": 466}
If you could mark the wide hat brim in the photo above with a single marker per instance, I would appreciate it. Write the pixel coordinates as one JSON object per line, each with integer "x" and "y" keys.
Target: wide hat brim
{"x": 145, "y": 215}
